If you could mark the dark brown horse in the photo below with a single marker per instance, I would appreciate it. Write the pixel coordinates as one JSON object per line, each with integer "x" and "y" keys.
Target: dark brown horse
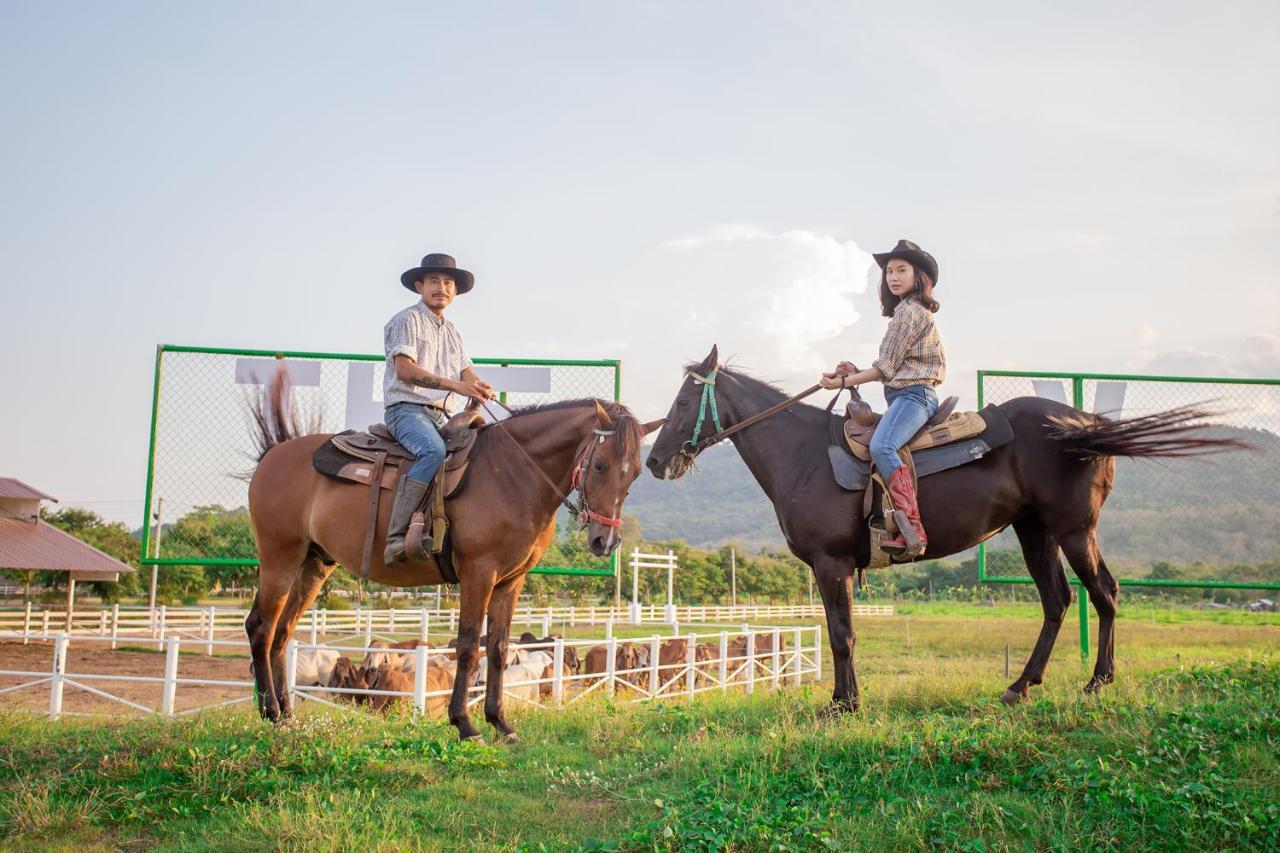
{"x": 1049, "y": 483}
{"x": 502, "y": 521}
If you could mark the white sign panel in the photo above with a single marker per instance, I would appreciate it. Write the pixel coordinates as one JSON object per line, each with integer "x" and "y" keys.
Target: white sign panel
{"x": 258, "y": 371}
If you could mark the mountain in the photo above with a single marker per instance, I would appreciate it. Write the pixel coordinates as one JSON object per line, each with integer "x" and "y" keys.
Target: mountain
{"x": 1220, "y": 509}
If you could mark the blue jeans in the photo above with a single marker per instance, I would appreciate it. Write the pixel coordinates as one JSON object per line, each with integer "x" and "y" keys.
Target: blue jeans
{"x": 415, "y": 427}
{"x": 909, "y": 409}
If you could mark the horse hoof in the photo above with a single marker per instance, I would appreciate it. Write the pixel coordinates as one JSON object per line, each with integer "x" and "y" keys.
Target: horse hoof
{"x": 474, "y": 739}
{"x": 1012, "y": 697}
{"x": 511, "y": 738}
{"x": 836, "y": 710}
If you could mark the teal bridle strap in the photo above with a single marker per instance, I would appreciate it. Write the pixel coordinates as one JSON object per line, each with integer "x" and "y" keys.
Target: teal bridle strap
{"x": 708, "y": 384}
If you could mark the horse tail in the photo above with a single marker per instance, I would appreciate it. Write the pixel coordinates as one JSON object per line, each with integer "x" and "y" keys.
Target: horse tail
{"x": 1171, "y": 433}
{"x": 274, "y": 420}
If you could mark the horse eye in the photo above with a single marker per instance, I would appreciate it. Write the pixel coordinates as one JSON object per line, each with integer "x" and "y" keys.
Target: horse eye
{"x": 682, "y": 404}
{"x": 599, "y": 466}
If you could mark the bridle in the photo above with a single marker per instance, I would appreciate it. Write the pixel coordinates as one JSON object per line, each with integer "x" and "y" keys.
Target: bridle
{"x": 585, "y": 454}
{"x": 707, "y": 405}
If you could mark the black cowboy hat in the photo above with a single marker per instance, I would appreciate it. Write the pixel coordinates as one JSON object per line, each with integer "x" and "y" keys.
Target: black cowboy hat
{"x": 436, "y": 262}
{"x": 909, "y": 252}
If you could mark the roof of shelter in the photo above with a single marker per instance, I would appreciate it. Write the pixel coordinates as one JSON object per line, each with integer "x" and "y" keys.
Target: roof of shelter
{"x": 11, "y": 487}
{"x": 28, "y": 544}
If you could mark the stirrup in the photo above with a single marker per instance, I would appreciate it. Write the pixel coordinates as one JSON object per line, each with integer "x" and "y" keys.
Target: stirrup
{"x": 417, "y": 541}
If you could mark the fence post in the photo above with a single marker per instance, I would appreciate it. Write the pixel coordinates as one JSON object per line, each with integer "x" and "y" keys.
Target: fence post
{"x": 424, "y": 627}
{"x": 315, "y": 627}
{"x": 59, "y": 672}
{"x": 572, "y": 619}
{"x": 691, "y": 659}
{"x": 611, "y": 666}
{"x": 796, "y": 652}
{"x": 751, "y": 661}
{"x": 115, "y": 624}
{"x": 420, "y": 676}
{"x": 557, "y": 672}
{"x": 208, "y": 645}
{"x": 44, "y": 623}
{"x": 655, "y": 650}
{"x": 391, "y": 620}
{"x": 724, "y": 662}
{"x": 817, "y": 652}
{"x": 164, "y": 616}
{"x": 368, "y": 628}
{"x": 169, "y": 695}
{"x": 26, "y": 624}
{"x": 608, "y": 628}
{"x": 546, "y": 622}
{"x": 291, "y": 671}
{"x": 102, "y": 623}
{"x": 776, "y": 660}
{"x": 324, "y": 622}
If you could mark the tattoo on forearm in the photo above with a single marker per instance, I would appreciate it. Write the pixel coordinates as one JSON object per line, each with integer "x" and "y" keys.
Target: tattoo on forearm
{"x": 427, "y": 381}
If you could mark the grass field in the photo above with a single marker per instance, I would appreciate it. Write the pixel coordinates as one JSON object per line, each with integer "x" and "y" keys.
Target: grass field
{"x": 1182, "y": 752}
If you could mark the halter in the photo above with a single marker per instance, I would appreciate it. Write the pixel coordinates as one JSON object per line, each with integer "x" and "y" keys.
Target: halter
{"x": 579, "y": 482}
{"x": 693, "y": 446}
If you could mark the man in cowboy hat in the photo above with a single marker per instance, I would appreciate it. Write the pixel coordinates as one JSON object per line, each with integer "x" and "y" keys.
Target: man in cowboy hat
{"x": 425, "y": 364}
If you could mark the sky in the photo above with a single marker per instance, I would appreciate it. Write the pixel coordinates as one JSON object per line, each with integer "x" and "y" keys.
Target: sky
{"x": 1099, "y": 182}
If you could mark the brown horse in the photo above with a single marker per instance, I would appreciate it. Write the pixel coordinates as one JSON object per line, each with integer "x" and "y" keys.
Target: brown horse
{"x": 1049, "y": 483}
{"x": 502, "y": 520}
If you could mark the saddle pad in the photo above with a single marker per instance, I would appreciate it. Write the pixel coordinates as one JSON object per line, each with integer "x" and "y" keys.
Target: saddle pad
{"x": 852, "y": 473}
{"x": 957, "y": 427}
{"x": 333, "y": 462}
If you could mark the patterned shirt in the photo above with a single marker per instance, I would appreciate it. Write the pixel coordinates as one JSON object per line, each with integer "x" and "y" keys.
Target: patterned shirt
{"x": 911, "y": 352}
{"x": 434, "y": 345}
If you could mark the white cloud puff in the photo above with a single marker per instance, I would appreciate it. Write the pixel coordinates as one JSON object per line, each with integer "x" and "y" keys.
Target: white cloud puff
{"x": 769, "y": 298}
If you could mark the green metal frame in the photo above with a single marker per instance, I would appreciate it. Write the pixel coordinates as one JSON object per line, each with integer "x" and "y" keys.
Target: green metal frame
{"x": 1077, "y": 400}
{"x": 161, "y": 349}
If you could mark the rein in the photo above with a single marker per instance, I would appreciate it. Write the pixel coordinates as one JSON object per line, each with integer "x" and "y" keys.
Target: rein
{"x": 694, "y": 446}
{"x": 582, "y": 512}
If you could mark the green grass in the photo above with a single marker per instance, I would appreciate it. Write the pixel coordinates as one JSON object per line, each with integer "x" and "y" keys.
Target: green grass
{"x": 1181, "y": 753}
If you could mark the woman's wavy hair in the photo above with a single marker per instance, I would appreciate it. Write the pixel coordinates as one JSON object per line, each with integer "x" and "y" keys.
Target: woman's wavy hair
{"x": 923, "y": 291}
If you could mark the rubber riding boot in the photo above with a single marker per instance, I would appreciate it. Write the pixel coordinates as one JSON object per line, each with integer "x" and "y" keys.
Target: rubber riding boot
{"x": 409, "y": 496}
{"x": 902, "y": 491}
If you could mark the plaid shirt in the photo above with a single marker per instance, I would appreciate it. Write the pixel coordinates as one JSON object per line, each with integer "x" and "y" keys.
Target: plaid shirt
{"x": 911, "y": 352}
{"x": 434, "y": 345}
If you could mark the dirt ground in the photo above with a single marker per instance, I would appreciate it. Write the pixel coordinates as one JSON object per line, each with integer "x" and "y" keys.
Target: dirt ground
{"x": 98, "y": 658}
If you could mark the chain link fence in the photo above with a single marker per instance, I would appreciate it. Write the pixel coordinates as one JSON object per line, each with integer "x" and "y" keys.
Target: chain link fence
{"x": 1208, "y": 519}
{"x": 202, "y": 449}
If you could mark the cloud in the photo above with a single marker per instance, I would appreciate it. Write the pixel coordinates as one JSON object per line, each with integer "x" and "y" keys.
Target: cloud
{"x": 770, "y": 298}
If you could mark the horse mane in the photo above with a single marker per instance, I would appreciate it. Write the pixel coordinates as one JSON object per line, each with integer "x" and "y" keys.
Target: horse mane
{"x": 747, "y": 378}
{"x": 629, "y": 430}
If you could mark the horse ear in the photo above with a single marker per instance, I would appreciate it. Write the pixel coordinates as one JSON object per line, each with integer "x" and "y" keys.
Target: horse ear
{"x": 602, "y": 416}
{"x": 653, "y": 425}
{"x": 711, "y": 361}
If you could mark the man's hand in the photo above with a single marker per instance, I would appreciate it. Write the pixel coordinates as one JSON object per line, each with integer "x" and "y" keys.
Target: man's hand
{"x": 476, "y": 389}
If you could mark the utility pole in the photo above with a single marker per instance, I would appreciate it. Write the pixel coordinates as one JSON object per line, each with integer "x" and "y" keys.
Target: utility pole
{"x": 156, "y": 555}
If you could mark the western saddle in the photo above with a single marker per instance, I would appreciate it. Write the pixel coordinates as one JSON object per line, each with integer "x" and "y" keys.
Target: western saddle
{"x": 945, "y": 427}
{"x": 376, "y": 459}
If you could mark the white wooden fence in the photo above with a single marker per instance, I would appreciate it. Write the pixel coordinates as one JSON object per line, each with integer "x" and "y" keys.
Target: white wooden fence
{"x": 209, "y": 625}
{"x": 787, "y": 656}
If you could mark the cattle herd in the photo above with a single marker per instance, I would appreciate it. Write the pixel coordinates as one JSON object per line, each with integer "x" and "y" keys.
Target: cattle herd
{"x": 389, "y": 668}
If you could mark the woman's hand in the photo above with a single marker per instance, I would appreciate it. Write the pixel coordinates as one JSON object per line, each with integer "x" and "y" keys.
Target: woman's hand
{"x": 831, "y": 381}
{"x": 846, "y": 368}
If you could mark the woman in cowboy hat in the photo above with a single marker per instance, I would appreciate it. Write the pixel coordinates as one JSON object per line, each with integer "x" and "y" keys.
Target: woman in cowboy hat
{"x": 425, "y": 364}
{"x": 911, "y": 364}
